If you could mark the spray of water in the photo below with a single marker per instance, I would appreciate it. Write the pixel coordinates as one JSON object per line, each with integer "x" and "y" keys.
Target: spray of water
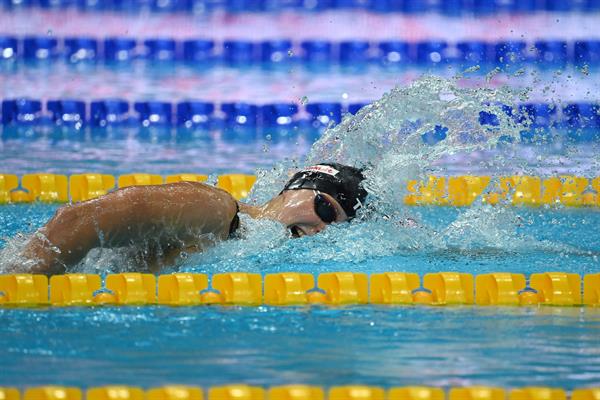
{"x": 386, "y": 139}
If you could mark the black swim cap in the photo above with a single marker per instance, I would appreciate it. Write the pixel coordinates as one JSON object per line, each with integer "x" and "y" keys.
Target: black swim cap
{"x": 341, "y": 182}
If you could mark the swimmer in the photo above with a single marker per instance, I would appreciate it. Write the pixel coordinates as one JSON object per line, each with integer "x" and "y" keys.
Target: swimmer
{"x": 166, "y": 220}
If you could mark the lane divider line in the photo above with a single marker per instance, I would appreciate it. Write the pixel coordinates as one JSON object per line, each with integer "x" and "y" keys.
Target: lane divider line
{"x": 454, "y": 191}
{"x": 298, "y": 289}
{"x": 298, "y": 392}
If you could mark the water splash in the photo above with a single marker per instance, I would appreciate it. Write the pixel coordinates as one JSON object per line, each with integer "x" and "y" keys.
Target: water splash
{"x": 385, "y": 138}
{"x": 11, "y": 260}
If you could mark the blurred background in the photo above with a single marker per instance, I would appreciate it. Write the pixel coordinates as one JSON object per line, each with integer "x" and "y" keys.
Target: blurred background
{"x": 232, "y": 86}
{"x": 163, "y": 82}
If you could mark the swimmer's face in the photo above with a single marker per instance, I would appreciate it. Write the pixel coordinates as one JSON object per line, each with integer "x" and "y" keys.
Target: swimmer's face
{"x": 307, "y": 212}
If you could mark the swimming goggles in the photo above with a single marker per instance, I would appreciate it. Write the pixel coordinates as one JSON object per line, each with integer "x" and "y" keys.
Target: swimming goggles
{"x": 324, "y": 209}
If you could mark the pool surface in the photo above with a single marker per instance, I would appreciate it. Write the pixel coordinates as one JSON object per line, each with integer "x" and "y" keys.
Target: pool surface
{"x": 90, "y": 88}
{"x": 387, "y": 346}
{"x": 449, "y": 346}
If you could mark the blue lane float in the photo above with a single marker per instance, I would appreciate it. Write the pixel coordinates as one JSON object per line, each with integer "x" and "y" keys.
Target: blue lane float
{"x": 21, "y": 112}
{"x": 239, "y": 52}
{"x": 452, "y": 8}
{"x": 195, "y": 114}
{"x": 276, "y": 51}
{"x": 582, "y": 121}
{"x": 394, "y": 52}
{"x": 80, "y": 49}
{"x": 240, "y": 114}
{"x": 112, "y": 112}
{"x": 579, "y": 122}
{"x": 317, "y": 52}
{"x": 39, "y": 48}
{"x": 471, "y": 53}
{"x": 70, "y": 113}
{"x": 160, "y": 49}
{"x": 119, "y": 49}
{"x": 540, "y": 118}
{"x": 201, "y": 52}
{"x": 586, "y": 52}
{"x": 354, "y": 52}
{"x": 154, "y": 113}
{"x": 278, "y": 114}
{"x": 325, "y": 113}
{"x": 8, "y": 48}
{"x": 510, "y": 53}
{"x": 198, "y": 51}
{"x": 552, "y": 53}
{"x": 355, "y": 107}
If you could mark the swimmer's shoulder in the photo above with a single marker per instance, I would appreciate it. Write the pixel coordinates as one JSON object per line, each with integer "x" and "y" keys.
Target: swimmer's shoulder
{"x": 198, "y": 186}
{"x": 201, "y": 191}
{"x": 233, "y": 204}
{"x": 204, "y": 189}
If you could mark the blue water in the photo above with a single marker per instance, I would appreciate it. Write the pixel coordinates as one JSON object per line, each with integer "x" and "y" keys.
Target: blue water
{"x": 440, "y": 346}
{"x": 244, "y": 150}
{"x": 452, "y": 346}
{"x": 532, "y": 240}
{"x": 66, "y": 151}
{"x": 388, "y": 346}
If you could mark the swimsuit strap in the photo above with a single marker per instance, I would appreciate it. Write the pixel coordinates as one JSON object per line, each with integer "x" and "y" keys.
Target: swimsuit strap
{"x": 235, "y": 222}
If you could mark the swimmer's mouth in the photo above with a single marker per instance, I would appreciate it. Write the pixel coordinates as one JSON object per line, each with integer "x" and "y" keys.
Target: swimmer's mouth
{"x": 296, "y": 232}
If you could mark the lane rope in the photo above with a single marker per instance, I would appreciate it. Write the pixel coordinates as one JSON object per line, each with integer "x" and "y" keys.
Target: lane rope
{"x": 298, "y": 392}
{"x": 301, "y": 289}
{"x": 455, "y": 191}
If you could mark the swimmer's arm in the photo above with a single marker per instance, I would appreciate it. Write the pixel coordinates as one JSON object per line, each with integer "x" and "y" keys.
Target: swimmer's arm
{"x": 129, "y": 216}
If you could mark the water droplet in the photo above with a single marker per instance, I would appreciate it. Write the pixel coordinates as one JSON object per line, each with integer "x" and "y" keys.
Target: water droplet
{"x": 290, "y": 53}
{"x": 268, "y": 137}
{"x": 472, "y": 69}
{"x": 304, "y": 100}
{"x": 492, "y": 74}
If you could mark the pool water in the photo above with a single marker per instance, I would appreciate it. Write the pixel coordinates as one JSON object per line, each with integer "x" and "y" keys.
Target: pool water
{"x": 450, "y": 346}
{"x": 243, "y": 150}
{"x": 387, "y": 346}
{"x": 207, "y": 152}
{"x": 446, "y": 346}
{"x": 348, "y": 84}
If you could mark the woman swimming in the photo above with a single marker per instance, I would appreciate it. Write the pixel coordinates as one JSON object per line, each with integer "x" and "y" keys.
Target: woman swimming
{"x": 166, "y": 220}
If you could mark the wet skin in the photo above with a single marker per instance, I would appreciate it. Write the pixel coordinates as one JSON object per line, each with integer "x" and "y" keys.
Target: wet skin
{"x": 296, "y": 210}
{"x": 164, "y": 219}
